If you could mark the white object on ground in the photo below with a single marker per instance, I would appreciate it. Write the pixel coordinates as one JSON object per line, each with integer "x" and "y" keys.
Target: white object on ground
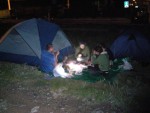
{"x": 126, "y": 65}
{"x": 74, "y": 67}
{"x": 60, "y": 72}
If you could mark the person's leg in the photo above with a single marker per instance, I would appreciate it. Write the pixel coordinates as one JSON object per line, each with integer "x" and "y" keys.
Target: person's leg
{"x": 94, "y": 70}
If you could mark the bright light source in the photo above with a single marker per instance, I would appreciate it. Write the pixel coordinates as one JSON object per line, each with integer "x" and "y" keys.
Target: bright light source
{"x": 79, "y": 59}
{"x": 126, "y": 4}
{"x": 136, "y": 6}
{"x": 75, "y": 67}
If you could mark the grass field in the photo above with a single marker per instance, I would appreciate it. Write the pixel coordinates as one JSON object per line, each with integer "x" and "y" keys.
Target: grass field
{"x": 129, "y": 93}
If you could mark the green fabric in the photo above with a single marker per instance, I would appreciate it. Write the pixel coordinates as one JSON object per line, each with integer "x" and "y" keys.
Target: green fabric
{"x": 88, "y": 77}
{"x": 110, "y": 77}
{"x": 102, "y": 60}
{"x": 85, "y": 52}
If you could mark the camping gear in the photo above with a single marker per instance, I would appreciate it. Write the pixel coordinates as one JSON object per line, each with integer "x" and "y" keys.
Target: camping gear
{"x": 126, "y": 64}
{"x": 59, "y": 71}
{"x": 110, "y": 77}
{"x": 73, "y": 68}
{"x": 132, "y": 44}
{"x": 24, "y": 42}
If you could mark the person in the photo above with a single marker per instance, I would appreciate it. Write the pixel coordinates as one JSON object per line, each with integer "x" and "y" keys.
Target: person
{"x": 48, "y": 60}
{"x": 110, "y": 54}
{"x": 99, "y": 60}
{"x": 82, "y": 52}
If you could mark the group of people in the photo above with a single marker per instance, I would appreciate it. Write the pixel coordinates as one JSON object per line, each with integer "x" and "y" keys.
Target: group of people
{"x": 98, "y": 60}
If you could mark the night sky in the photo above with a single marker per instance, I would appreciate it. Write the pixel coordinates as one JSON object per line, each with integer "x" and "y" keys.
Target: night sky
{"x": 78, "y": 8}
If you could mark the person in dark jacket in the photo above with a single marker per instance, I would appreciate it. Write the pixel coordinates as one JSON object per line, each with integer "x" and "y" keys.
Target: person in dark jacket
{"x": 99, "y": 61}
{"x": 82, "y": 52}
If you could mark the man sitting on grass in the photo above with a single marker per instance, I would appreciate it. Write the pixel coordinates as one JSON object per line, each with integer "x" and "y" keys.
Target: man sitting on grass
{"x": 49, "y": 60}
{"x": 100, "y": 61}
{"x": 82, "y": 52}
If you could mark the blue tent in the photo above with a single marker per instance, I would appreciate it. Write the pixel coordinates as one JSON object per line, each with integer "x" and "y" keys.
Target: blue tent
{"x": 133, "y": 44}
{"x": 24, "y": 42}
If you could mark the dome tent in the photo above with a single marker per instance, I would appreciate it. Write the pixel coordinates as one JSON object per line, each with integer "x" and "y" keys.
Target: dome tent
{"x": 24, "y": 42}
{"x": 131, "y": 43}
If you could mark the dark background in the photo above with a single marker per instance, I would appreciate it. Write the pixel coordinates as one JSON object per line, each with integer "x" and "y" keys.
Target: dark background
{"x": 77, "y": 9}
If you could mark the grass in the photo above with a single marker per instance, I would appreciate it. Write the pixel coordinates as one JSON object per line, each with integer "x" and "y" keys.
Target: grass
{"x": 122, "y": 94}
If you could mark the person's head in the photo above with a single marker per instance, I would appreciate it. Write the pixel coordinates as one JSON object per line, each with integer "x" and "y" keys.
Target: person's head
{"x": 82, "y": 45}
{"x": 103, "y": 46}
{"x": 50, "y": 47}
{"x": 97, "y": 50}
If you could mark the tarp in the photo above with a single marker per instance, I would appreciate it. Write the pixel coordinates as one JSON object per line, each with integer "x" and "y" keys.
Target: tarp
{"x": 115, "y": 69}
{"x": 88, "y": 77}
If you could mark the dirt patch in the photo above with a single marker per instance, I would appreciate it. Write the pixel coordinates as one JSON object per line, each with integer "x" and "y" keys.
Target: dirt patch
{"x": 17, "y": 99}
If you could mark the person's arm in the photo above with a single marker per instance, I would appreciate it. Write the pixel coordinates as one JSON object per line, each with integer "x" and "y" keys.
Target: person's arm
{"x": 88, "y": 53}
{"x": 56, "y": 57}
{"x": 93, "y": 59}
{"x": 77, "y": 51}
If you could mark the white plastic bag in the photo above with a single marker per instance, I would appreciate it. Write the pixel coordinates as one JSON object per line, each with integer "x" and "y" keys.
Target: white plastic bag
{"x": 127, "y": 65}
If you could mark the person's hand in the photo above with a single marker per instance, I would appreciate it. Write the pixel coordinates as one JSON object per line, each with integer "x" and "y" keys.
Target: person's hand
{"x": 65, "y": 58}
{"x": 79, "y": 55}
{"x": 89, "y": 63}
{"x": 57, "y": 53}
{"x": 94, "y": 52}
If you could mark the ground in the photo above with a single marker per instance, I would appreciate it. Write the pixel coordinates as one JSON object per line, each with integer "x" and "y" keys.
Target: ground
{"x": 23, "y": 89}
{"x": 41, "y": 100}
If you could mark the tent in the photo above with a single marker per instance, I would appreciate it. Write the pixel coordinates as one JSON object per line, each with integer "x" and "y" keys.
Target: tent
{"x": 24, "y": 42}
{"x": 132, "y": 44}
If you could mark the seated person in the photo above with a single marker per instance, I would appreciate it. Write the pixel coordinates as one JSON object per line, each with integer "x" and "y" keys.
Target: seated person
{"x": 48, "y": 59}
{"x": 82, "y": 53}
{"x": 110, "y": 54}
{"x": 100, "y": 60}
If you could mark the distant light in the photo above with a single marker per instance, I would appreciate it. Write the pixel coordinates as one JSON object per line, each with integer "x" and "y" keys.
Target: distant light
{"x": 131, "y": 4}
{"x": 126, "y": 4}
{"x": 9, "y": 6}
{"x": 136, "y": 6}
